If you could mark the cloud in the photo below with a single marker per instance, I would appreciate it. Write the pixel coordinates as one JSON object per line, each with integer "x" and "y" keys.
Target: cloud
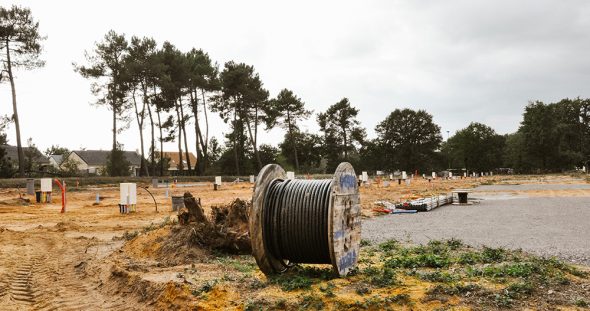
{"x": 462, "y": 61}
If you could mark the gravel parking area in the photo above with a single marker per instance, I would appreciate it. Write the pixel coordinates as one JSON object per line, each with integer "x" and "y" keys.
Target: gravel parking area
{"x": 556, "y": 226}
{"x": 527, "y": 187}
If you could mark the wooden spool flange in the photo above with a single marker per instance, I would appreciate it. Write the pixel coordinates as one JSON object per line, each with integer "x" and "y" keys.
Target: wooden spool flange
{"x": 344, "y": 220}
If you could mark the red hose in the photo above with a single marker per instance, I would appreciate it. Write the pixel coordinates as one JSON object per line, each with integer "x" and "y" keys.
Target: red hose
{"x": 63, "y": 195}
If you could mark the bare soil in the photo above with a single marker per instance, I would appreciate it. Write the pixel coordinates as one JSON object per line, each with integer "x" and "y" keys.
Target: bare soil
{"x": 93, "y": 258}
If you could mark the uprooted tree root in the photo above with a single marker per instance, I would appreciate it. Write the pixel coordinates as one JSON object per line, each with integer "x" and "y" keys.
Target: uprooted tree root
{"x": 225, "y": 230}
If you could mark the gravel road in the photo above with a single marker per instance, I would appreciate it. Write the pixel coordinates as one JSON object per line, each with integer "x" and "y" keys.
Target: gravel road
{"x": 556, "y": 226}
{"x": 526, "y": 187}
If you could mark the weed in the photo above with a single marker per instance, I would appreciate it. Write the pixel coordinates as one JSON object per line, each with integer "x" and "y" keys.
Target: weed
{"x": 516, "y": 290}
{"x": 328, "y": 290}
{"x": 437, "y": 276}
{"x": 362, "y": 289}
{"x": 130, "y": 235}
{"x": 365, "y": 243}
{"x": 454, "y": 244}
{"x": 469, "y": 258}
{"x": 290, "y": 282}
{"x": 491, "y": 255}
{"x": 400, "y": 299}
{"x": 581, "y": 303}
{"x": 205, "y": 288}
{"x": 389, "y": 245}
{"x": 456, "y": 289}
{"x": 256, "y": 284}
{"x": 311, "y": 302}
{"x": 385, "y": 278}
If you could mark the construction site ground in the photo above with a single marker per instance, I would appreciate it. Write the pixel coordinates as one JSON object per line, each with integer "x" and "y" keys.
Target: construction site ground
{"x": 93, "y": 258}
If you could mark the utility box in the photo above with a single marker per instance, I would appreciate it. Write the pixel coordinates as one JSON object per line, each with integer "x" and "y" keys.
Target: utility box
{"x": 365, "y": 177}
{"x": 252, "y": 179}
{"x": 128, "y": 197}
{"x": 404, "y": 175}
{"x": 128, "y": 192}
{"x": 46, "y": 185}
{"x": 433, "y": 175}
{"x": 290, "y": 175}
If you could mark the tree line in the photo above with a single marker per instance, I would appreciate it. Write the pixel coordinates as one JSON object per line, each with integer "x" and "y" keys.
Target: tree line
{"x": 168, "y": 94}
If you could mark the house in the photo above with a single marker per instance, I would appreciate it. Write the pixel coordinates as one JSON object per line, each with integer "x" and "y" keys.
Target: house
{"x": 34, "y": 159}
{"x": 174, "y": 160}
{"x": 55, "y": 160}
{"x": 95, "y": 161}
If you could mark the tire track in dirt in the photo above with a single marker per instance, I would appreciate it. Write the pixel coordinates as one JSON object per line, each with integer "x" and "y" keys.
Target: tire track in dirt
{"x": 21, "y": 286}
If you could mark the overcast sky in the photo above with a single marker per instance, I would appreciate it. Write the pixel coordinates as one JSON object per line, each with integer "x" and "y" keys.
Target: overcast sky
{"x": 462, "y": 61}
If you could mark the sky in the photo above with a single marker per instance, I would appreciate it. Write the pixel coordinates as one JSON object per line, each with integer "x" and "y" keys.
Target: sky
{"x": 461, "y": 60}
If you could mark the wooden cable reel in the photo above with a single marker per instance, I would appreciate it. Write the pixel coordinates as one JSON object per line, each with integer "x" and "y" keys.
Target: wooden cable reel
{"x": 305, "y": 221}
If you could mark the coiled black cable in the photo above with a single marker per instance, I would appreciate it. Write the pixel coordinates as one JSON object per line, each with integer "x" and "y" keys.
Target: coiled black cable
{"x": 295, "y": 220}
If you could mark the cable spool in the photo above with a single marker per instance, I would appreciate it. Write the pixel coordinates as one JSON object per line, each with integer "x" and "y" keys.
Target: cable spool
{"x": 305, "y": 221}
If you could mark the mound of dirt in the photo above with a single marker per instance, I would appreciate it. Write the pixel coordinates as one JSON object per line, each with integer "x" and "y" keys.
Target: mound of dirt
{"x": 66, "y": 226}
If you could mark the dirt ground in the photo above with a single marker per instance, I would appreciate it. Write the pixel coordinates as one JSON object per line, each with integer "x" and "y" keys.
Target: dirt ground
{"x": 92, "y": 257}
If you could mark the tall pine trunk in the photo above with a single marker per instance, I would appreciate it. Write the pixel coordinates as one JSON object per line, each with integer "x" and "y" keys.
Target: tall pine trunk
{"x": 206, "y": 142}
{"x": 186, "y": 152}
{"x": 236, "y": 139}
{"x": 199, "y": 167}
{"x": 19, "y": 147}
{"x": 140, "y": 116}
{"x": 161, "y": 143}
{"x": 153, "y": 142}
{"x": 180, "y": 162}
{"x": 253, "y": 141}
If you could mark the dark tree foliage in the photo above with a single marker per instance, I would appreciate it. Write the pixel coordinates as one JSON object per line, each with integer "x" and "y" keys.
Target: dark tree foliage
{"x": 342, "y": 133}
{"x": 555, "y": 136}
{"x": 476, "y": 148}
{"x": 309, "y": 151}
{"x": 56, "y": 150}
{"x": 287, "y": 110}
{"x": 269, "y": 154}
{"x": 408, "y": 140}
{"x": 117, "y": 164}
{"x": 243, "y": 103}
{"x": 21, "y": 43}
{"x": 6, "y": 169}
